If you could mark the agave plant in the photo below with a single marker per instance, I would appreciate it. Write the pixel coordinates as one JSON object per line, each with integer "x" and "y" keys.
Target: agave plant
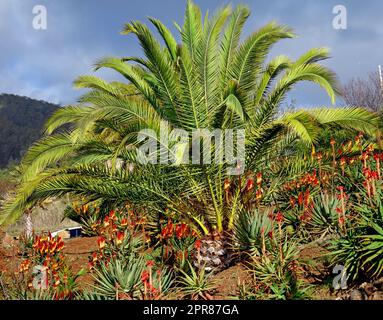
{"x": 210, "y": 80}
{"x": 197, "y": 284}
{"x": 277, "y": 272}
{"x": 324, "y": 220}
{"x": 118, "y": 278}
{"x": 252, "y": 229}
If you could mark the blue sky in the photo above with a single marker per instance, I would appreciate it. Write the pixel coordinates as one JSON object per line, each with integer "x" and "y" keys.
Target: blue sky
{"x": 43, "y": 63}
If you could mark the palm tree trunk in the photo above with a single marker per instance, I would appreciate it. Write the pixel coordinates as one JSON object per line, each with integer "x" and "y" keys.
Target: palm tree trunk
{"x": 213, "y": 254}
{"x": 28, "y": 224}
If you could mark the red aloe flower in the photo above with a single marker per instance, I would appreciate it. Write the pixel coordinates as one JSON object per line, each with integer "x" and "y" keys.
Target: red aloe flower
{"x": 150, "y": 263}
{"x": 279, "y": 217}
{"x": 292, "y": 202}
{"x": 120, "y": 237}
{"x": 374, "y": 175}
{"x": 300, "y": 198}
{"x": 249, "y": 184}
{"x": 144, "y": 276}
{"x": 124, "y": 222}
{"x": 258, "y": 194}
{"x": 106, "y": 222}
{"x": 180, "y": 230}
{"x": 226, "y": 184}
{"x": 101, "y": 242}
{"x": 198, "y": 244}
{"x": 94, "y": 256}
{"x": 259, "y": 178}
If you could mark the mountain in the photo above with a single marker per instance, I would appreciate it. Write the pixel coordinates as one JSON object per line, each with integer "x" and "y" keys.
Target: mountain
{"x": 21, "y": 123}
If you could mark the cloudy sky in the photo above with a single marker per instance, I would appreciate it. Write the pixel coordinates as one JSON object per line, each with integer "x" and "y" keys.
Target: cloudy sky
{"x": 43, "y": 63}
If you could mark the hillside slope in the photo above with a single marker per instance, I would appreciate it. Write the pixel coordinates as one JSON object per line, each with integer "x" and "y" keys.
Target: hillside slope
{"x": 21, "y": 122}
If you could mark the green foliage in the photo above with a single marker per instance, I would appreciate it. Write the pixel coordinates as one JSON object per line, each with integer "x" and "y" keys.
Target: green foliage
{"x": 119, "y": 277}
{"x": 276, "y": 273}
{"x": 361, "y": 249}
{"x": 196, "y": 284}
{"x": 324, "y": 219}
{"x": 251, "y": 228}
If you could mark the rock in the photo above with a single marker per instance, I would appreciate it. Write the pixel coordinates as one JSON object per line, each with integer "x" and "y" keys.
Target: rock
{"x": 368, "y": 288}
{"x": 378, "y": 295}
{"x": 9, "y": 241}
{"x": 379, "y": 284}
{"x": 211, "y": 250}
{"x": 357, "y": 295}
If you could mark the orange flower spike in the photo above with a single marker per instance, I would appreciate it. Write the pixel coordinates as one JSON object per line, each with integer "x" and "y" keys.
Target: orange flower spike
{"x": 106, "y": 222}
{"x": 259, "y": 178}
{"x": 60, "y": 246}
{"x": 342, "y": 164}
{"x": 112, "y": 215}
{"x": 101, "y": 243}
{"x": 124, "y": 222}
{"x": 120, "y": 237}
{"x": 377, "y": 160}
{"x": 370, "y": 148}
{"x": 300, "y": 198}
{"x": 145, "y": 276}
{"x": 279, "y": 217}
{"x": 53, "y": 247}
{"x": 249, "y": 184}
{"x": 85, "y": 208}
{"x": 94, "y": 257}
{"x": 292, "y": 202}
{"x": 226, "y": 185}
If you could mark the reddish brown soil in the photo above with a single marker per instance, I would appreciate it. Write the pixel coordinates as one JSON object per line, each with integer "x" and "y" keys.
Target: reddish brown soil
{"x": 6, "y": 254}
{"x": 77, "y": 252}
{"x": 227, "y": 282}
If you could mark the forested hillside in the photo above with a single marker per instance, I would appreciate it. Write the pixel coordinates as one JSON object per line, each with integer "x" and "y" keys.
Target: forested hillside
{"x": 21, "y": 122}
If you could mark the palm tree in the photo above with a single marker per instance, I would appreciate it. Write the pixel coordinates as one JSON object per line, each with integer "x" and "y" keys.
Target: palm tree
{"x": 211, "y": 80}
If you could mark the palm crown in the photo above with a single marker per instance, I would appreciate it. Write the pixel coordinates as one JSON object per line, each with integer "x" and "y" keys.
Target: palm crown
{"x": 212, "y": 79}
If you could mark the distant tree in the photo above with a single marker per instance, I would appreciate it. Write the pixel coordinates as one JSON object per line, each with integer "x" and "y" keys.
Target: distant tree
{"x": 365, "y": 93}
